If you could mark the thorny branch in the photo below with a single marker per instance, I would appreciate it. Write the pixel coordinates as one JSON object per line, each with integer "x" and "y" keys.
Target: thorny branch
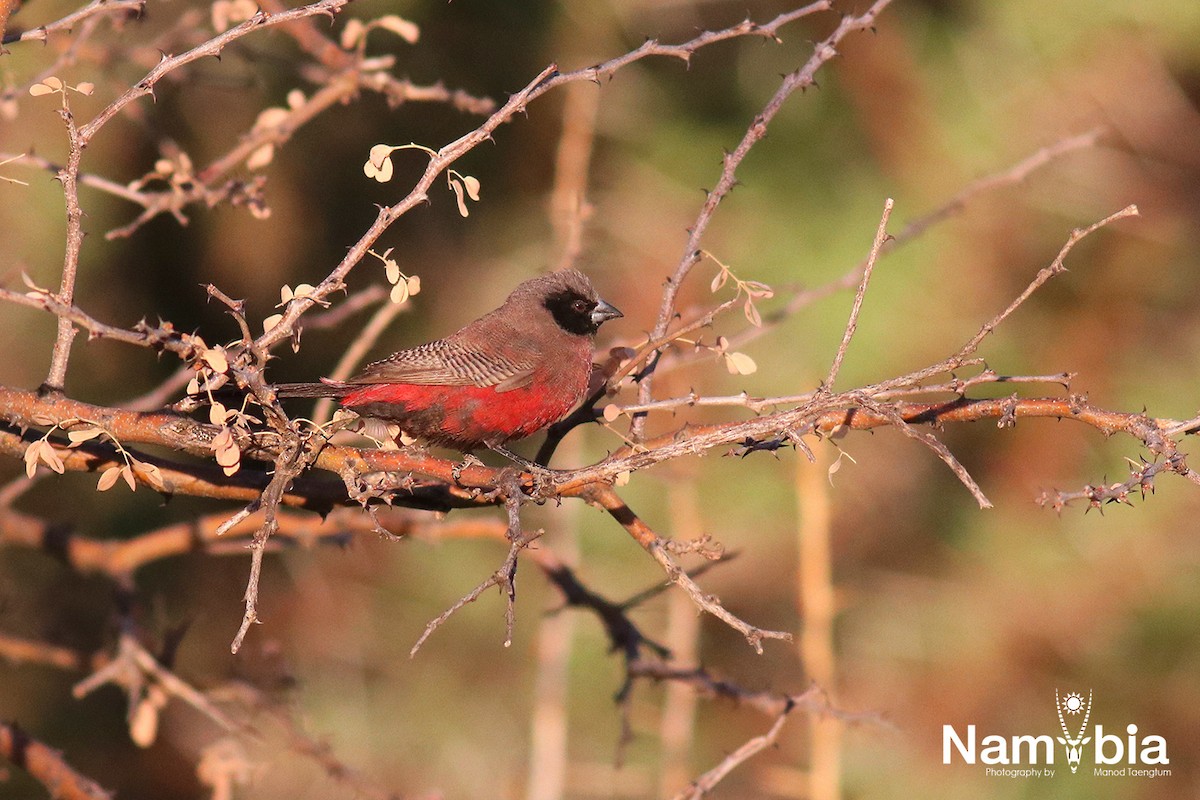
{"x": 506, "y": 576}
{"x": 821, "y": 414}
{"x": 47, "y": 766}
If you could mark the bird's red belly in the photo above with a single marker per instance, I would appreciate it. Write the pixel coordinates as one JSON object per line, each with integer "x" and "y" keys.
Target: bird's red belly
{"x": 468, "y": 416}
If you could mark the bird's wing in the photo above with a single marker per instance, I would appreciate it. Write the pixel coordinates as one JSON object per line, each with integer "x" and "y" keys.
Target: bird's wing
{"x": 448, "y": 363}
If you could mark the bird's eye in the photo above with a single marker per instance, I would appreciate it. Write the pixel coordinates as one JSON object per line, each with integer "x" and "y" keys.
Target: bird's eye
{"x": 580, "y": 306}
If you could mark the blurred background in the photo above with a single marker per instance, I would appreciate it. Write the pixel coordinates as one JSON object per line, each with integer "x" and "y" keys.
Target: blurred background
{"x": 941, "y": 613}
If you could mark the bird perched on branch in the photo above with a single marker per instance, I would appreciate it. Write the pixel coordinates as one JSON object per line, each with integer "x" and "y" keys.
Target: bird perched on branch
{"x": 505, "y": 376}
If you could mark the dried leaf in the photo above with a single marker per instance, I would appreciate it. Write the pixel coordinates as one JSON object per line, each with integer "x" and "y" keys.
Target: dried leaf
{"x": 193, "y": 386}
{"x": 272, "y": 321}
{"x": 152, "y": 475}
{"x": 400, "y": 292}
{"x": 108, "y": 479}
{"x": 758, "y": 290}
{"x": 391, "y": 270}
{"x": 379, "y": 163}
{"x": 740, "y": 364}
{"x": 31, "y": 457}
{"x": 223, "y": 440}
{"x": 39, "y": 89}
{"x": 229, "y": 456}
{"x": 837, "y": 465}
{"x": 54, "y": 83}
{"x": 380, "y": 152}
{"x": 127, "y": 474}
{"x": 303, "y": 290}
{"x": 718, "y": 281}
{"x": 50, "y": 458}
{"x": 215, "y": 358}
{"x": 381, "y": 172}
{"x": 217, "y": 413}
{"x": 621, "y": 478}
{"x": 458, "y": 192}
{"x": 86, "y": 88}
{"x": 833, "y": 470}
{"x": 408, "y": 31}
{"x": 752, "y": 314}
{"x": 84, "y": 434}
{"x": 295, "y": 99}
{"x": 472, "y": 184}
{"x": 414, "y": 284}
{"x": 611, "y": 412}
{"x": 227, "y": 452}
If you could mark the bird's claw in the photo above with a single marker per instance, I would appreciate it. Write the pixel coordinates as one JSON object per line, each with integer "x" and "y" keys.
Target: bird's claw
{"x": 543, "y": 482}
{"x": 469, "y": 460}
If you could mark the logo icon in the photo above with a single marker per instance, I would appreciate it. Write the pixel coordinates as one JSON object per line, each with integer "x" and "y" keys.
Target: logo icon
{"x": 1072, "y": 705}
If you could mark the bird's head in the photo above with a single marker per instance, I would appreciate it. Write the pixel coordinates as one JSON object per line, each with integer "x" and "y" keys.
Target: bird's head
{"x": 571, "y": 300}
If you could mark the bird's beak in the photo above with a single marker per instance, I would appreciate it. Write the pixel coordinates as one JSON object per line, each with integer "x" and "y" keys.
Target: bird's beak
{"x": 603, "y": 312}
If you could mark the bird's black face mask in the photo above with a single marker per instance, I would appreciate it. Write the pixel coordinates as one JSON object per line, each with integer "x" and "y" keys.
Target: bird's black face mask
{"x": 578, "y": 314}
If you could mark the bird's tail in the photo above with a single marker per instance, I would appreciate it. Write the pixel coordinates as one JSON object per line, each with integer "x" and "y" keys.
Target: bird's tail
{"x": 326, "y": 388}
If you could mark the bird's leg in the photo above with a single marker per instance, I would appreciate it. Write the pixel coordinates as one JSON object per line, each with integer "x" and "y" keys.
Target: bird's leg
{"x": 530, "y": 466}
{"x": 543, "y": 477}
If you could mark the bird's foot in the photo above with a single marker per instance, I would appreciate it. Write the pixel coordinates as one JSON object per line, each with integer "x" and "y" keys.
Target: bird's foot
{"x": 469, "y": 460}
{"x": 543, "y": 477}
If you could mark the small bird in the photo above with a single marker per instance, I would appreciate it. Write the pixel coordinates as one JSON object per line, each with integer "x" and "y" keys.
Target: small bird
{"x": 505, "y": 376}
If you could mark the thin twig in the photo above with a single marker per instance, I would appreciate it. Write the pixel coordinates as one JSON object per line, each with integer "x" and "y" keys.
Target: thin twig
{"x": 934, "y": 444}
{"x": 881, "y": 236}
{"x": 42, "y": 32}
{"x": 505, "y": 577}
{"x": 501, "y": 577}
{"x": 604, "y": 497}
{"x": 708, "y": 781}
{"x": 291, "y": 462}
{"x": 68, "y": 176}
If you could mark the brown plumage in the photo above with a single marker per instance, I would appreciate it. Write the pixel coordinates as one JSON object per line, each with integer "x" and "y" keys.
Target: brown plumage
{"x": 505, "y": 376}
